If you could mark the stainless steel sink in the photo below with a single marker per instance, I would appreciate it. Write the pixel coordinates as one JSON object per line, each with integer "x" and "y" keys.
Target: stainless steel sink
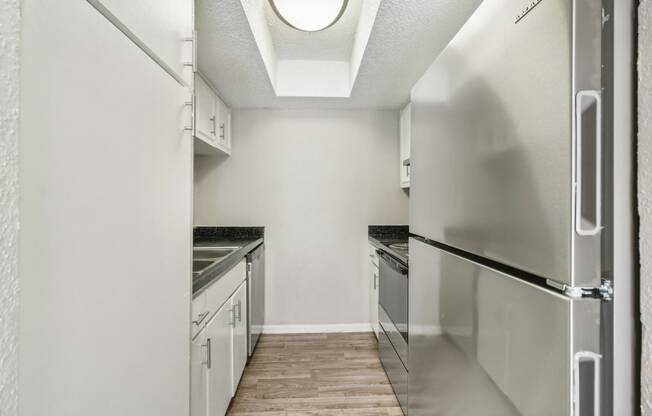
{"x": 204, "y": 257}
{"x": 200, "y": 253}
{"x": 199, "y": 266}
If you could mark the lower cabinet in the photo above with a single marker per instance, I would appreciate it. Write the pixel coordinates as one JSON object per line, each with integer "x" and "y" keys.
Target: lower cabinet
{"x": 219, "y": 356}
{"x": 373, "y": 289}
{"x": 240, "y": 351}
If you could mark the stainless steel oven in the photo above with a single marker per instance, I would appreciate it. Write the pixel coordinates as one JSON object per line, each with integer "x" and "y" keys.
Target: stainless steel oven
{"x": 393, "y": 318}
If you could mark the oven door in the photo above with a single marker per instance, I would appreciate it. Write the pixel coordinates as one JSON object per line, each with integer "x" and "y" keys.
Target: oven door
{"x": 393, "y": 292}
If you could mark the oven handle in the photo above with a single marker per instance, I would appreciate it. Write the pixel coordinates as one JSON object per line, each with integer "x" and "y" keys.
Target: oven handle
{"x": 394, "y": 264}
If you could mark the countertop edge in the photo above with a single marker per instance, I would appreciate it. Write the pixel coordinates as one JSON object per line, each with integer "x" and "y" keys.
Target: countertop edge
{"x": 376, "y": 243}
{"x": 224, "y": 267}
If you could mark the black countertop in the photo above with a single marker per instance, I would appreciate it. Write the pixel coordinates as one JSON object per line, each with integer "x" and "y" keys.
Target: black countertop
{"x": 247, "y": 238}
{"x": 382, "y": 236}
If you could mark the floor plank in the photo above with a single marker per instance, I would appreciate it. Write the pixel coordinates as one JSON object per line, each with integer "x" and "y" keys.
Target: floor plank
{"x": 315, "y": 375}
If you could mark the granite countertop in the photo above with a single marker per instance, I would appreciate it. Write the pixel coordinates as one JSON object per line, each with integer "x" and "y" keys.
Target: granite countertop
{"x": 381, "y": 236}
{"x": 247, "y": 238}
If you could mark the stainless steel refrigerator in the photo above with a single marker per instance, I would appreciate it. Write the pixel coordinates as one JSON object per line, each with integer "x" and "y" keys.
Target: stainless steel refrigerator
{"x": 508, "y": 304}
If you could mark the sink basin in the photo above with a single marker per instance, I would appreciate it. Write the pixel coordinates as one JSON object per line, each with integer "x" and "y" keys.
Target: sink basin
{"x": 199, "y": 266}
{"x": 212, "y": 253}
{"x": 204, "y": 257}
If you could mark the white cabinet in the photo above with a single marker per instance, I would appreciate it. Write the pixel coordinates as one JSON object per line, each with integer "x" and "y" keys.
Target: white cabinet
{"x": 212, "y": 121}
{"x": 219, "y": 348}
{"x": 116, "y": 131}
{"x": 220, "y": 358}
{"x": 239, "y": 335}
{"x": 205, "y": 112}
{"x": 405, "y": 132}
{"x": 223, "y": 125}
{"x": 373, "y": 289}
{"x": 198, "y": 374}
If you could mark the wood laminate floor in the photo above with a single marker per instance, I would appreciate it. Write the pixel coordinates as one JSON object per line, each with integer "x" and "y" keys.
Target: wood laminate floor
{"x": 315, "y": 374}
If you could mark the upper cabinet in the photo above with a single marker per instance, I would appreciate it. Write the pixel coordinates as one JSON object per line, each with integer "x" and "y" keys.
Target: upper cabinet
{"x": 164, "y": 27}
{"x": 405, "y": 131}
{"x": 212, "y": 121}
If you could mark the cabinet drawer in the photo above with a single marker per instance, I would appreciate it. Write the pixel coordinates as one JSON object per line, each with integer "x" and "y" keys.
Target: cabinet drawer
{"x": 219, "y": 292}
{"x": 373, "y": 256}
{"x": 200, "y": 314}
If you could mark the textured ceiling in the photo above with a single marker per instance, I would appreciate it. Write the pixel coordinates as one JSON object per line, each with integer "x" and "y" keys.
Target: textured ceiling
{"x": 407, "y": 36}
{"x": 335, "y": 43}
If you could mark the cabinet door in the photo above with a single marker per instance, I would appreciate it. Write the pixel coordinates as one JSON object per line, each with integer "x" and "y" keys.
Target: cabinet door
{"x": 374, "y": 281}
{"x": 223, "y": 117}
{"x": 227, "y": 129}
{"x": 405, "y": 132}
{"x": 205, "y": 112}
{"x": 198, "y": 374}
{"x": 239, "y": 335}
{"x": 220, "y": 379}
{"x": 373, "y": 296}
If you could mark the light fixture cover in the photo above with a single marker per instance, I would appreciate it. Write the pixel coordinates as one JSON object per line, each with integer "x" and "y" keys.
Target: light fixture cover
{"x": 309, "y": 15}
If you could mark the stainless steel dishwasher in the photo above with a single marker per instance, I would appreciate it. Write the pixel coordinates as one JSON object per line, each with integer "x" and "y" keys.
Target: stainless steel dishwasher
{"x": 393, "y": 319}
{"x": 255, "y": 296}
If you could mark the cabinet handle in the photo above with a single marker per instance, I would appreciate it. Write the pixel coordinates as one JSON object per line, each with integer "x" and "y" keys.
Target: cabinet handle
{"x": 597, "y": 393}
{"x": 597, "y": 227}
{"x": 222, "y": 131}
{"x": 191, "y": 104}
{"x": 201, "y": 318}
{"x": 232, "y": 323}
{"x": 208, "y": 353}
{"x": 213, "y": 125}
{"x": 239, "y": 311}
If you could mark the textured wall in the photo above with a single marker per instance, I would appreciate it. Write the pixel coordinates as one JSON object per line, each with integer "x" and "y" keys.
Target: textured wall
{"x": 9, "y": 71}
{"x": 315, "y": 179}
{"x": 645, "y": 195}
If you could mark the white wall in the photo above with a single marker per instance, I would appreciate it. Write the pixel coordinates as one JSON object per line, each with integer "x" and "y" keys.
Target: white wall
{"x": 645, "y": 196}
{"x": 9, "y": 70}
{"x": 315, "y": 179}
{"x": 105, "y": 212}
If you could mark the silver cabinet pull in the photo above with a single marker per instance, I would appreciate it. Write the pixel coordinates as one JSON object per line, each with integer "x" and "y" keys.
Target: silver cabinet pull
{"x": 200, "y": 318}
{"x": 213, "y": 125}
{"x": 375, "y": 281}
{"x": 222, "y": 131}
{"x": 191, "y": 104}
{"x": 232, "y": 323}
{"x": 192, "y": 39}
{"x": 208, "y": 353}
{"x": 579, "y": 102}
{"x": 239, "y": 311}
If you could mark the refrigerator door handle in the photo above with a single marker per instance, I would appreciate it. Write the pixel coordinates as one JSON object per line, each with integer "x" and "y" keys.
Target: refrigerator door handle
{"x": 580, "y": 357}
{"x": 580, "y": 100}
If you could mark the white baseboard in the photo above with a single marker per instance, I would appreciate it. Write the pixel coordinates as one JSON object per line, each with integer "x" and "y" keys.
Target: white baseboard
{"x": 315, "y": 329}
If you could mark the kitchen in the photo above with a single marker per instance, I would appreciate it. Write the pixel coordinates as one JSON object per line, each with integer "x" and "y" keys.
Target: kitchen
{"x": 333, "y": 207}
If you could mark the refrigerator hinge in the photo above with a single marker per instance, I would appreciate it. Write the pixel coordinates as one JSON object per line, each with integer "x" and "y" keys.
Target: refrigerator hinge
{"x": 604, "y": 292}
{"x": 605, "y": 17}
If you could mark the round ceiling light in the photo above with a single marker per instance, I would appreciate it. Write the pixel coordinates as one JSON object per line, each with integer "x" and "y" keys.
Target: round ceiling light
{"x": 309, "y": 15}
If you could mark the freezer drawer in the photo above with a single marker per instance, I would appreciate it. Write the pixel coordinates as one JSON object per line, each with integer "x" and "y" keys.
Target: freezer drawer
{"x": 495, "y": 164}
{"x": 396, "y": 372}
{"x": 510, "y": 345}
